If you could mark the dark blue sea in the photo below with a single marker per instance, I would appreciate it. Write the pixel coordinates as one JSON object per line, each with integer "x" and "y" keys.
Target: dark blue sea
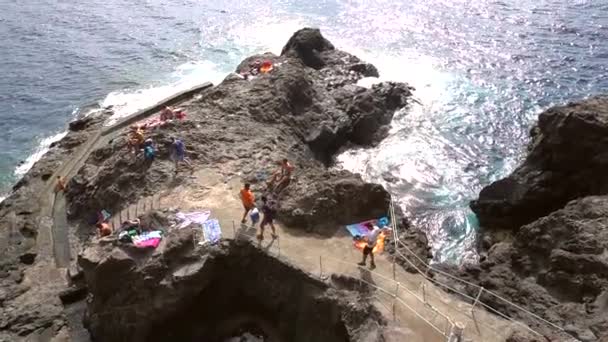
{"x": 483, "y": 70}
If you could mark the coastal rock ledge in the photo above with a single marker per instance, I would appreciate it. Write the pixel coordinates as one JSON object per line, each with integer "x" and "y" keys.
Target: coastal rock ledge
{"x": 544, "y": 236}
{"x": 307, "y": 109}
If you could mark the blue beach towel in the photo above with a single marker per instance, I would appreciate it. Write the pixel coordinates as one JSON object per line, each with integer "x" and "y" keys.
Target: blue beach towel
{"x": 212, "y": 231}
{"x": 360, "y": 230}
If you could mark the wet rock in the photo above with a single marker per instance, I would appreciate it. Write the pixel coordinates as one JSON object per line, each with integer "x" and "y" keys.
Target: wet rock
{"x": 567, "y": 160}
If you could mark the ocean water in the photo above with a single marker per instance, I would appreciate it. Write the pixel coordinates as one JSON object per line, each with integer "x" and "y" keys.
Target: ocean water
{"x": 482, "y": 69}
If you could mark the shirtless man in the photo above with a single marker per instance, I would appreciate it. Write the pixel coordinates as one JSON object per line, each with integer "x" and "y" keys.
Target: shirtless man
{"x": 167, "y": 113}
{"x": 282, "y": 176}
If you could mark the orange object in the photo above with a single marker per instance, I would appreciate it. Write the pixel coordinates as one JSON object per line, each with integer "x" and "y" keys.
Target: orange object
{"x": 379, "y": 248}
{"x": 247, "y": 197}
{"x": 266, "y": 67}
{"x": 104, "y": 229}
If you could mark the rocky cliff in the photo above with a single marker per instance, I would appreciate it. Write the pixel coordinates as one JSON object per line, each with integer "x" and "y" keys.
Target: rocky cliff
{"x": 545, "y": 227}
{"x": 183, "y": 293}
{"x": 307, "y": 109}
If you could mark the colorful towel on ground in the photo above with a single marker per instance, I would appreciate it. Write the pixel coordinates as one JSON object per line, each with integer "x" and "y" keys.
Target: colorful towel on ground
{"x": 199, "y": 217}
{"x": 147, "y": 239}
{"x": 359, "y": 231}
{"x": 212, "y": 232}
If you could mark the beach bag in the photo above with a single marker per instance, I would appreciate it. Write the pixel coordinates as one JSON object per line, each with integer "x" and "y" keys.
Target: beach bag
{"x": 254, "y": 215}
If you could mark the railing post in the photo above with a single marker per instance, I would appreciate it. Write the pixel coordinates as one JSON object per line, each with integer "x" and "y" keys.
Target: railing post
{"x": 395, "y": 300}
{"x": 233, "y": 230}
{"x": 320, "y": 266}
{"x": 423, "y": 291}
{"x": 473, "y": 308}
{"x": 476, "y": 300}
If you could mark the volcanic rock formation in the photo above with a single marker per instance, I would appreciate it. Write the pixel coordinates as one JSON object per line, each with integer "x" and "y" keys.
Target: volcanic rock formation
{"x": 552, "y": 258}
{"x": 183, "y": 293}
{"x": 307, "y": 109}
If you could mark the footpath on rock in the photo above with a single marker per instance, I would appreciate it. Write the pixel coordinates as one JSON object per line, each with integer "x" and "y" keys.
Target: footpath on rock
{"x": 307, "y": 109}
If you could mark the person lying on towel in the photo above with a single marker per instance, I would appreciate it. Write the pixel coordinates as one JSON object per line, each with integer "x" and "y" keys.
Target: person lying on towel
{"x": 372, "y": 239}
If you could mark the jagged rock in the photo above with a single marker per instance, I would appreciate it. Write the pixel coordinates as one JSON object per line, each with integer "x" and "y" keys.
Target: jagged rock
{"x": 337, "y": 197}
{"x": 239, "y": 127}
{"x": 554, "y": 267}
{"x": 307, "y": 44}
{"x": 291, "y": 111}
{"x": 567, "y": 160}
{"x": 552, "y": 259}
{"x": 193, "y": 294}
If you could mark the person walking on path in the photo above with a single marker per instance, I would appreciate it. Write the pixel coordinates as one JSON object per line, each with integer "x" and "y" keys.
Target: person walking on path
{"x": 269, "y": 211}
{"x": 372, "y": 239}
{"x": 178, "y": 153}
{"x": 248, "y": 200}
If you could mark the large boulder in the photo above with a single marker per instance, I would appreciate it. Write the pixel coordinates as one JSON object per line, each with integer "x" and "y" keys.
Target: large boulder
{"x": 567, "y": 159}
{"x": 544, "y": 227}
{"x": 336, "y": 197}
{"x": 307, "y": 44}
{"x": 193, "y": 295}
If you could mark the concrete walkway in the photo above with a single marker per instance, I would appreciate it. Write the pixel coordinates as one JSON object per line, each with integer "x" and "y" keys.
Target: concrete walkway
{"x": 415, "y": 318}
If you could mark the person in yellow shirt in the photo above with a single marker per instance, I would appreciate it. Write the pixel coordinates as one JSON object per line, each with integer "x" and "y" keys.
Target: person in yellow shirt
{"x": 248, "y": 200}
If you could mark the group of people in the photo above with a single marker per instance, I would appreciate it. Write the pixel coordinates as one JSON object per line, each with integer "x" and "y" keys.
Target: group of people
{"x": 138, "y": 142}
{"x": 268, "y": 210}
{"x": 280, "y": 179}
{"x": 168, "y": 113}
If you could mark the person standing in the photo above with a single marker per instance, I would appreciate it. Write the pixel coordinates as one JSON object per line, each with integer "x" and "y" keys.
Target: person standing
{"x": 372, "y": 240}
{"x": 178, "y": 153}
{"x": 269, "y": 211}
{"x": 149, "y": 151}
{"x": 248, "y": 200}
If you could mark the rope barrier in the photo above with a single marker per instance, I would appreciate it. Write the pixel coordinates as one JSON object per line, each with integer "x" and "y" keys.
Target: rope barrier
{"x": 476, "y": 300}
{"x": 398, "y": 299}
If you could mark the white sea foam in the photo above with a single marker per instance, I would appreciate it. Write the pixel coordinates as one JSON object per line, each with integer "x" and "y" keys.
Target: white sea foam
{"x": 43, "y": 147}
{"x": 128, "y": 101}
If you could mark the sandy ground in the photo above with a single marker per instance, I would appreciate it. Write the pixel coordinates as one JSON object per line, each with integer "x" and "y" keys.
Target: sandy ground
{"x": 418, "y": 311}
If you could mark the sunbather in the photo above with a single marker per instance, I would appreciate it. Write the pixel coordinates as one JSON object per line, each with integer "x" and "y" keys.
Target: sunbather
{"x": 167, "y": 114}
{"x": 104, "y": 229}
{"x": 135, "y": 139}
{"x": 282, "y": 177}
{"x": 60, "y": 186}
